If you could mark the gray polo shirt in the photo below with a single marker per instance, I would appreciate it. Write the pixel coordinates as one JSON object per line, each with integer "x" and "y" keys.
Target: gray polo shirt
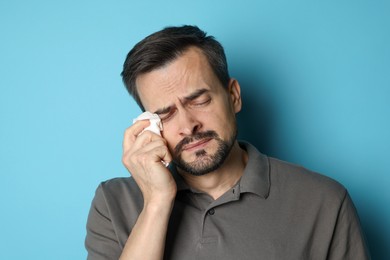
{"x": 276, "y": 211}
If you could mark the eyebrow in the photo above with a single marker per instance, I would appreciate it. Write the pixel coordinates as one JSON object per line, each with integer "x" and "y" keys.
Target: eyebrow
{"x": 187, "y": 99}
{"x": 195, "y": 95}
{"x": 163, "y": 110}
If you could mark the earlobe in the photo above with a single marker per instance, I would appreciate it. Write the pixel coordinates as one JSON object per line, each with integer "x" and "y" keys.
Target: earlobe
{"x": 235, "y": 94}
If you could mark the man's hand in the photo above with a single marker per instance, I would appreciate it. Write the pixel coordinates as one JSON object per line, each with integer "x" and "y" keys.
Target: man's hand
{"x": 142, "y": 156}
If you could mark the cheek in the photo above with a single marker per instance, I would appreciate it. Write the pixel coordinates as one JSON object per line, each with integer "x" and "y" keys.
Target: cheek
{"x": 223, "y": 120}
{"x": 169, "y": 137}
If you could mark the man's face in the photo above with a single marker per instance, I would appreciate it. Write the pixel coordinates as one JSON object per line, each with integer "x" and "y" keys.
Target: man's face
{"x": 197, "y": 112}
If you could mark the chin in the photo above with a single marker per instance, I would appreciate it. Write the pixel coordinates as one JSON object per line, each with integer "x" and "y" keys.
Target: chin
{"x": 204, "y": 162}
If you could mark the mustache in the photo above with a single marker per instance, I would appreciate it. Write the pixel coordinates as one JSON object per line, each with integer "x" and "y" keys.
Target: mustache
{"x": 194, "y": 137}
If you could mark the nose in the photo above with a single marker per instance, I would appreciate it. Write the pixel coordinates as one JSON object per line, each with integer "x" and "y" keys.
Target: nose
{"x": 188, "y": 123}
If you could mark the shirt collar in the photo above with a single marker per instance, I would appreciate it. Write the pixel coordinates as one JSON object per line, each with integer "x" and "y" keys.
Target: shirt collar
{"x": 255, "y": 178}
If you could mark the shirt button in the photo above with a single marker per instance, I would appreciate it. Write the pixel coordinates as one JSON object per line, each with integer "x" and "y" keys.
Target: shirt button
{"x": 211, "y": 212}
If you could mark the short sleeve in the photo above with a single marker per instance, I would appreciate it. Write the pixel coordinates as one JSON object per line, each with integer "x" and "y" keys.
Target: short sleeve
{"x": 348, "y": 239}
{"x": 101, "y": 241}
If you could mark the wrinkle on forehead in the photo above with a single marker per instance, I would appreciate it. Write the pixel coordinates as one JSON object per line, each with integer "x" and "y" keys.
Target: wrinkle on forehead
{"x": 178, "y": 78}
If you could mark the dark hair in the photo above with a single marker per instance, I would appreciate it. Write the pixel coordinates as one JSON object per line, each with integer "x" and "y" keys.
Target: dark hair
{"x": 164, "y": 46}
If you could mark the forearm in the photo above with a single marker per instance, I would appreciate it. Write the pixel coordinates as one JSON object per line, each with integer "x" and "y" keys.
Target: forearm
{"x": 143, "y": 152}
{"x": 147, "y": 238}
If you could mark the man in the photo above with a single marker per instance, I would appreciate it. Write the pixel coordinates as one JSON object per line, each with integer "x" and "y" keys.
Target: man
{"x": 220, "y": 198}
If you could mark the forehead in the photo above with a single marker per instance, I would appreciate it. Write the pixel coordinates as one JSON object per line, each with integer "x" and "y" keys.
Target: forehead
{"x": 177, "y": 79}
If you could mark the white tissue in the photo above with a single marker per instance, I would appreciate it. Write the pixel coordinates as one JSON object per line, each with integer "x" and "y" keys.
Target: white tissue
{"x": 155, "y": 125}
{"x": 155, "y": 122}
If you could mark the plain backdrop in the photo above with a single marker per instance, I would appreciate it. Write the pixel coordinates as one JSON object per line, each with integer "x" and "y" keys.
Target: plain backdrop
{"x": 315, "y": 78}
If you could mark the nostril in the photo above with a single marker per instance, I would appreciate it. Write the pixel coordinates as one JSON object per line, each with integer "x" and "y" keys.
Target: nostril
{"x": 195, "y": 129}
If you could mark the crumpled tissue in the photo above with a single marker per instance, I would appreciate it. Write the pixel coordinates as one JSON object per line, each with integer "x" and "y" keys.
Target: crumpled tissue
{"x": 155, "y": 122}
{"x": 155, "y": 125}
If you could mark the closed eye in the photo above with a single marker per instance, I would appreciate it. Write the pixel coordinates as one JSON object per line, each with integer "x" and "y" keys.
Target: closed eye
{"x": 166, "y": 116}
{"x": 201, "y": 103}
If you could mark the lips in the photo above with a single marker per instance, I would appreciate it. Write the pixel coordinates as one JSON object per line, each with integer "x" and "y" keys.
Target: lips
{"x": 196, "y": 145}
{"x": 194, "y": 142}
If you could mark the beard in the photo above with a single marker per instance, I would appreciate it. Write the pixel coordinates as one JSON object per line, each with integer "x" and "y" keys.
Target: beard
{"x": 204, "y": 162}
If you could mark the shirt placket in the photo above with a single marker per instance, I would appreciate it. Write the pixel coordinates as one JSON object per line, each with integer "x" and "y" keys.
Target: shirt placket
{"x": 209, "y": 242}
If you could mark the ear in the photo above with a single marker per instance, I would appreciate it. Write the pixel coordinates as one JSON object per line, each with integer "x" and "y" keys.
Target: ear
{"x": 235, "y": 95}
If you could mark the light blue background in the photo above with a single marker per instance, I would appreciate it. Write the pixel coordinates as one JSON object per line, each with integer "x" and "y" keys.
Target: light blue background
{"x": 315, "y": 77}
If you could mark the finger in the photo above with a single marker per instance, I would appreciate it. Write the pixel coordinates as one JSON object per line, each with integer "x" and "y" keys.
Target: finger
{"x": 149, "y": 147}
{"x": 146, "y": 137}
{"x": 165, "y": 156}
{"x": 142, "y": 147}
{"x": 132, "y": 132}
{"x": 157, "y": 154}
{"x": 154, "y": 151}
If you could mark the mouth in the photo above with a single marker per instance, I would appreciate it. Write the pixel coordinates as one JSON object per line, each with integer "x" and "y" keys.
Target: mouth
{"x": 194, "y": 142}
{"x": 197, "y": 145}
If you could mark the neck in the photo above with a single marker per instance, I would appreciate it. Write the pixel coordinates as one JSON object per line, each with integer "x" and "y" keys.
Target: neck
{"x": 216, "y": 183}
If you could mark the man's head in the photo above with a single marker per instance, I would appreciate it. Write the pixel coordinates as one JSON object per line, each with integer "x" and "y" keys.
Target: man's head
{"x": 196, "y": 106}
{"x": 166, "y": 45}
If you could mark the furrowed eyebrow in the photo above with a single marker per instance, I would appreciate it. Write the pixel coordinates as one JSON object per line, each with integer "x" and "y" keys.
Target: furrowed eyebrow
{"x": 196, "y": 94}
{"x": 188, "y": 98}
{"x": 163, "y": 110}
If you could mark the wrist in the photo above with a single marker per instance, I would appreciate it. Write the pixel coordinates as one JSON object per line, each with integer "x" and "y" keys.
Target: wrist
{"x": 160, "y": 208}
{"x": 163, "y": 199}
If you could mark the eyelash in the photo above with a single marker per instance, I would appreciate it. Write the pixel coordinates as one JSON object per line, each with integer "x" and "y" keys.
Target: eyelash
{"x": 167, "y": 117}
{"x": 170, "y": 114}
{"x": 203, "y": 103}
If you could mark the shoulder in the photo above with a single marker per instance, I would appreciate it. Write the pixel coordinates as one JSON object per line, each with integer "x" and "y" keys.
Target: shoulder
{"x": 296, "y": 179}
{"x": 287, "y": 180}
{"x": 119, "y": 192}
{"x": 113, "y": 213}
{"x": 117, "y": 185}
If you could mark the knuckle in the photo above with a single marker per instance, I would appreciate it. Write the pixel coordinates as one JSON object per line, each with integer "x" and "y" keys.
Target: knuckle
{"x": 127, "y": 131}
{"x": 142, "y": 159}
{"x": 126, "y": 160}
